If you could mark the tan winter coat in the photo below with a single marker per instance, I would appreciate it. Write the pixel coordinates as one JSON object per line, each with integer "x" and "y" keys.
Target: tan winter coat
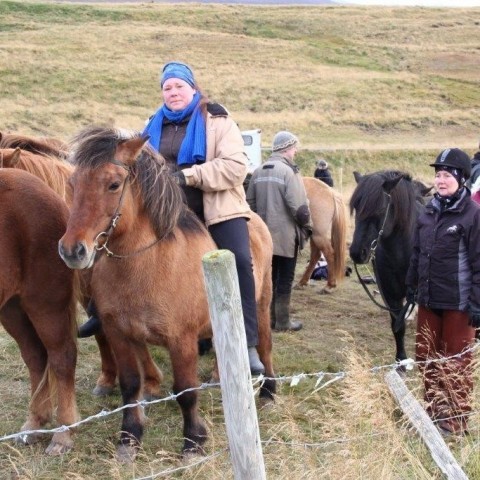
{"x": 221, "y": 176}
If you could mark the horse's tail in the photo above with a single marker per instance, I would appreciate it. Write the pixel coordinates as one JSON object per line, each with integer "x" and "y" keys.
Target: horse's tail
{"x": 339, "y": 236}
{"x": 48, "y": 384}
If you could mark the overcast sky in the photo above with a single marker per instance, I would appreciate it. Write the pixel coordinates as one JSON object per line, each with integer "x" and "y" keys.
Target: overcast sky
{"x": 423, "y": 3}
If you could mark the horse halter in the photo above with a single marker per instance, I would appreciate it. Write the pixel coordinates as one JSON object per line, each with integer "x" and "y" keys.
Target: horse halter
{"x": 113, "y": 222}
{"x": 116, "y": 216}
{"x": 371, "y": 255}
{"x": 374, "y": 244}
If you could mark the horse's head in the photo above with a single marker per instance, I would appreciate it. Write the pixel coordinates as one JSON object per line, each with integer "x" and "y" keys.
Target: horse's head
{"x": 377, "y": 214}
{"x": 101, "y": 192}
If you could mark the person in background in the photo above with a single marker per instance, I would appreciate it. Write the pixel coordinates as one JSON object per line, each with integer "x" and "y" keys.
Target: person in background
{"x": 322, "y": 172}
{"x": 277, "y": 194}
{"x": 204, "y": 151}
{"x": 475, "y": 163}
{"x": 444, "y": 278}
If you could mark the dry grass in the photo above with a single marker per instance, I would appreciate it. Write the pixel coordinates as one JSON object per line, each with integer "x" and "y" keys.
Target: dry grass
{"x": 371, "y": 88}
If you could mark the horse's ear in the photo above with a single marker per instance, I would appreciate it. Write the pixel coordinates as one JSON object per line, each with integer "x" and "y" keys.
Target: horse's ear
{"x": 426, "y": 191}
{"x": 358, "y": 176}
{"x": 391, "y": 183}
{"x": 15, "y": 157}
{"x": 128, "y": 151}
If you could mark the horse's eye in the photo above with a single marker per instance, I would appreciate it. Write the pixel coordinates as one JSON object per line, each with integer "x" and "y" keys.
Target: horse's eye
{"x": 114, "y": 186}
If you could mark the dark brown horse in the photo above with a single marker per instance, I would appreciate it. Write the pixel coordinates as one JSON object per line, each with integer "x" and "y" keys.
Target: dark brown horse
{"x": 38, "y": 300}
{"x": 149, "y": 286}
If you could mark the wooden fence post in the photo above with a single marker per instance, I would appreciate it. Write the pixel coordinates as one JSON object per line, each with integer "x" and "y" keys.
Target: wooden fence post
{"x": 425, "y": 427}
{"x": 221, "y": 282}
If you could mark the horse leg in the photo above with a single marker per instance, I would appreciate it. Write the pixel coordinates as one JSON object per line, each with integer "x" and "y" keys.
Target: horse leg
{"x": 153, "y": 376}
{"x": 314, "y": 257}
{"x": 399, "y": 335}
{"x": 130, "y": 378}
{"x": 18, "y": 325}
{"x": 264, "y": 348}
{"x": 107, "y": 380}
{"x": 57, "y": 333}
{"x": 183, "y": 354}
{"x": 329, "y": 254}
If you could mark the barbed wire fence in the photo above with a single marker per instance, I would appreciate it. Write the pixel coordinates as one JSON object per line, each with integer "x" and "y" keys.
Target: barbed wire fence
{"x": 323, "y": 380}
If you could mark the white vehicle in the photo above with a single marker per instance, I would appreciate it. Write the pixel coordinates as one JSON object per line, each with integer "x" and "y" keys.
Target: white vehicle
{"x": 252, "y": 140}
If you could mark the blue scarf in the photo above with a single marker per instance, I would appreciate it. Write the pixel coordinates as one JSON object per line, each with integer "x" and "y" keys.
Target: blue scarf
{"x": 194, "y": 145}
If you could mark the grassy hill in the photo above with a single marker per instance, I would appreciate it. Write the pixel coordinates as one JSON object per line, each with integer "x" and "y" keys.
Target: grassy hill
{"x": 363, "y": 79}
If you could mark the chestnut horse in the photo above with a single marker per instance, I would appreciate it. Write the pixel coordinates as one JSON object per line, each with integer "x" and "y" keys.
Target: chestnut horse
{"x": 40, "y": 145}
{"x": 56, "y": 173}
{"x": 149, "y": 285}
{"x": 38, "y": 300}
{"x": 329, "y": 219}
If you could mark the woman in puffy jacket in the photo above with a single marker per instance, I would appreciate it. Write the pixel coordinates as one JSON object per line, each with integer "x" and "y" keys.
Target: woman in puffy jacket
{"x": 444, "y": 278}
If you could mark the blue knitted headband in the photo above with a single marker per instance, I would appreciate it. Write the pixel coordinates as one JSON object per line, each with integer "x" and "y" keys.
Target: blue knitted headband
{"x": 177, "y": 70}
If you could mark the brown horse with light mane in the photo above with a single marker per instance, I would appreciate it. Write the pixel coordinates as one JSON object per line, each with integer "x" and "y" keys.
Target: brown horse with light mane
{"x": 38, "y": 300}
{"x": 149, "y": 286}
{"x": 329, "y": 218}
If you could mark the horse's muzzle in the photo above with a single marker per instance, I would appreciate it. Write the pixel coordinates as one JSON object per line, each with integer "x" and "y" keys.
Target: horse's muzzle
{"x": 78, "y": 256}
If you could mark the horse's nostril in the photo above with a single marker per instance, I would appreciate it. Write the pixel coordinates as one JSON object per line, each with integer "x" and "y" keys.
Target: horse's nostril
{"x": 81, "y": 251}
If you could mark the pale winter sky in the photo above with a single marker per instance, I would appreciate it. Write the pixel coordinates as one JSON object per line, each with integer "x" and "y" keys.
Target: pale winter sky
{"x": 420, "y": 3}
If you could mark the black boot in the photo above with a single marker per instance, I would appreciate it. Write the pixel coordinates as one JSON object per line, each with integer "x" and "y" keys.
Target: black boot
{"x": 92, "y": 325}
{"x": 282, "y": 315}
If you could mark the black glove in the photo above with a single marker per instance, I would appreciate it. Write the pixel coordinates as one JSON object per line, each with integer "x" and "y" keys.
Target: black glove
{"x": 474, "y": 316}
{"x": 302, "y": 215}
{"x": 411, "y": 295}
{"x": 179, "y": 177}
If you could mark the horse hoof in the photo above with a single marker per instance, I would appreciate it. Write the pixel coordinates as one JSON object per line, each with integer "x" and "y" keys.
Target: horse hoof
{"x": 327, "y": 290}
{"x": 126, "y": 453}
{"x": 266, "y": 402}
{"x": 102, "y": 391}
{"x": 56, "y": 448}
{"x": 150, "y": 396}
{"x": 191, "y": 456}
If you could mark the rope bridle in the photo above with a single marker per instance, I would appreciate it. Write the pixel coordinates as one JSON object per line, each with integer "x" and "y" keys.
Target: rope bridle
{"x": 105, "y": 235}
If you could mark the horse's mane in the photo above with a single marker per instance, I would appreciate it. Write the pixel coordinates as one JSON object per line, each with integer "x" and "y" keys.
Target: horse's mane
{"x": 370, "y": 200}
{"x": 162, "y": 197}
{"x": 52, "y": 171}
{"x": 40, "y": 145}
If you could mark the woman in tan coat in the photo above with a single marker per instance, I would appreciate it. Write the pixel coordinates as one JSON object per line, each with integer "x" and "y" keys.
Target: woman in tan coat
{"x": 203, "y": 148}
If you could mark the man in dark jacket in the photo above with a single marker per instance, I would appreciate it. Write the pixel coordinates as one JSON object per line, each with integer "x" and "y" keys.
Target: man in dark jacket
{"x": 475, "y": 170}
{"x": 444, "y": 275}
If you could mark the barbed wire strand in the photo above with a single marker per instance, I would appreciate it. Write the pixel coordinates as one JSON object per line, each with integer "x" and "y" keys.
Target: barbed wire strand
{"x": 293, "y": 379}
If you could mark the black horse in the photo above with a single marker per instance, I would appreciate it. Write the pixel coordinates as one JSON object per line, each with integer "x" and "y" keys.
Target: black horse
{"x": 386, "y": 206}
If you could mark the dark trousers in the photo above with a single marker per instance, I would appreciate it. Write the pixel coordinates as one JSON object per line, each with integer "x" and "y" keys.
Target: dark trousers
{"x": 283, "y": 273}
{"x": 448, "y": 384}
{"x": 233, "y": 235}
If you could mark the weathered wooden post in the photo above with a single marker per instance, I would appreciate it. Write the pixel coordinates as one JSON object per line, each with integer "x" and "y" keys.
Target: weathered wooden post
{"x": 225, "y": 307}
{"x": 426, "y": 429}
